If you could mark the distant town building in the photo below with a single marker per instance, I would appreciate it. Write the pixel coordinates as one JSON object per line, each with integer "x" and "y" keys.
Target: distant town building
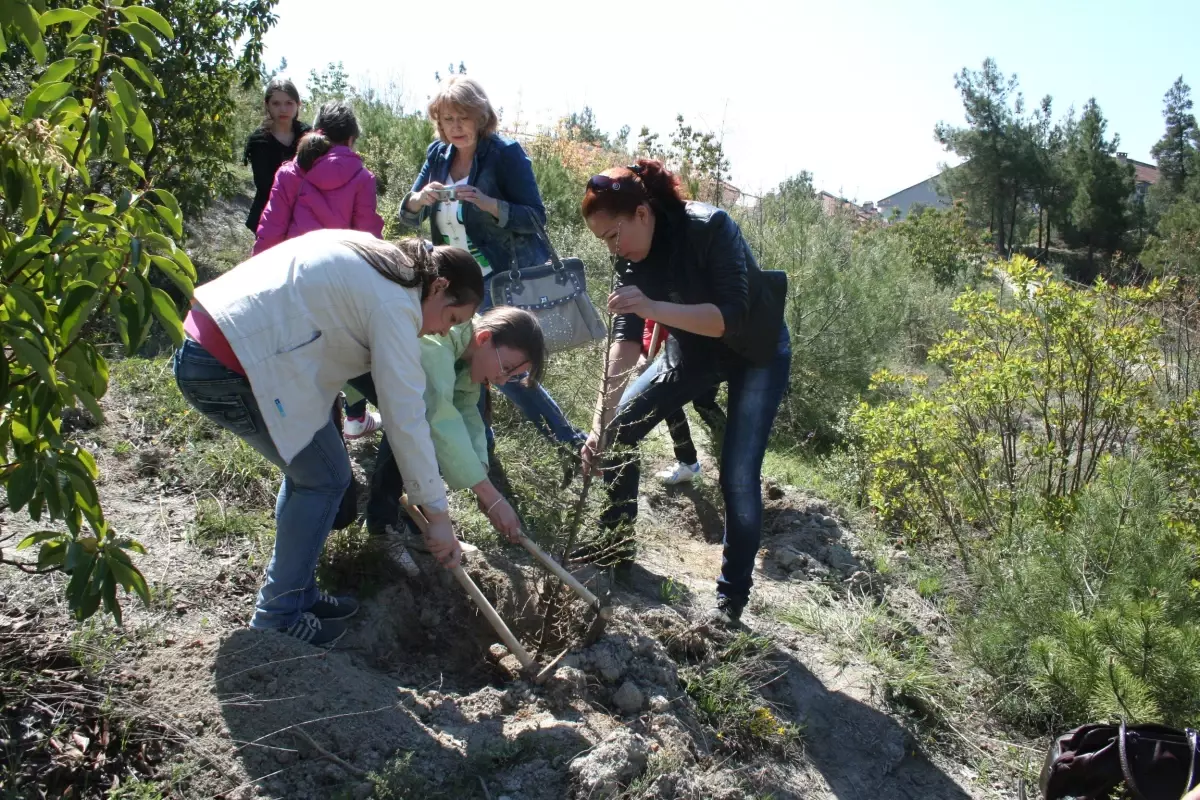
{"x": 1144, "y": 175}
{"x": 924, "y": 194}
{"x": 833, "y": 205}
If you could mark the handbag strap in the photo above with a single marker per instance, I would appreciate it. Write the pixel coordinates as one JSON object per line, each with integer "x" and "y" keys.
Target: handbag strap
{"x": 1126, "y": 767}
{"x": 1195, "y": 743}
{"x": 539, "y": 230}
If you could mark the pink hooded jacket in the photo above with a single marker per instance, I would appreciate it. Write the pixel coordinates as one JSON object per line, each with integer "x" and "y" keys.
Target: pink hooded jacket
{"x": 337, "y": 192}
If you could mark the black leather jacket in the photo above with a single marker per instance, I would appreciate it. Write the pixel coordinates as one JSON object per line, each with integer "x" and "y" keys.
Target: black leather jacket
{"x": 708, "y": 261}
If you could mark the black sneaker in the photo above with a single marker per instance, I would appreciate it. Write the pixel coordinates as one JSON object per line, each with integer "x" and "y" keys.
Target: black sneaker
{"x": 322, "y": 633}
{"x": 726, "y": 614}
{"x": 329, "y": 607}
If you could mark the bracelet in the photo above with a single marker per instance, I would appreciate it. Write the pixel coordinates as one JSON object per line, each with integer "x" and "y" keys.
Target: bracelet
{"x": 499, "y": 500}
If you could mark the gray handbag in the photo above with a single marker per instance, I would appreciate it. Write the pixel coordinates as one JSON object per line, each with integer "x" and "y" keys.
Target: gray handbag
{"x": 556, "y": 293}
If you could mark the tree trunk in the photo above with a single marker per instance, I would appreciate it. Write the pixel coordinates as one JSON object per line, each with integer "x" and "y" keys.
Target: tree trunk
{"x": 998, "y": 229}
{"x": 1012, "y": 222}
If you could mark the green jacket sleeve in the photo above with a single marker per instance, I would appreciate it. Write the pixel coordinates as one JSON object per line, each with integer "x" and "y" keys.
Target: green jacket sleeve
{"x": 466, "y": 400}
{"x": 454, "y": 437}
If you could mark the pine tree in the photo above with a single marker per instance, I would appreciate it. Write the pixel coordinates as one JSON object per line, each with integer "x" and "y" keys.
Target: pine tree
{"x": 997, "y": 147}
{"x": 1099, "y": 213}
{"x": 1175, "y": 152}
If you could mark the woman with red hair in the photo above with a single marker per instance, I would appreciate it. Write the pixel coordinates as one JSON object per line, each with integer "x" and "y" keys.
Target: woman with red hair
{"x": 686, "y": 265}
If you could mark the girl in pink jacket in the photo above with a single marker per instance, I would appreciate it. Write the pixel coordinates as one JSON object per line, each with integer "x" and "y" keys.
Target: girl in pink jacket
{"x": 326, "y": 186}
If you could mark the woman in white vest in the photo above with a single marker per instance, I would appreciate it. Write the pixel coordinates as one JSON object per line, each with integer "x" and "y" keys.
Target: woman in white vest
{"x": 269, "y": 345}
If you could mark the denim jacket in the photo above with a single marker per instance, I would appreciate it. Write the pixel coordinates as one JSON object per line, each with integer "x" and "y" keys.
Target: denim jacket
{"x": 501, "y": 170}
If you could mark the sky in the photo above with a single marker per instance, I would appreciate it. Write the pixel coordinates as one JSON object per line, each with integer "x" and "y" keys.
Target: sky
{"x": 850, "y": 91}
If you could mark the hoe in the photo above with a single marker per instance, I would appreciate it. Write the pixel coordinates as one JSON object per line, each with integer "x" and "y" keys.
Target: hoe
{"x": 602, "y": 612}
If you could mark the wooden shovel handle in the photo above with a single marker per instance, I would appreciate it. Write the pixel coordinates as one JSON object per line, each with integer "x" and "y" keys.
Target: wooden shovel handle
{"x": 477, "y": 597}
{"x": 510, "y": 641}
{"x": 560, "y": 572}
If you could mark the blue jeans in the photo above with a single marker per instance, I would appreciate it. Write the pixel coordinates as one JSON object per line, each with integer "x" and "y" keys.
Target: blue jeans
{"x": 754, "y": 397}
{"x": 308, "y": 499}
{"x": 534, "y": 403}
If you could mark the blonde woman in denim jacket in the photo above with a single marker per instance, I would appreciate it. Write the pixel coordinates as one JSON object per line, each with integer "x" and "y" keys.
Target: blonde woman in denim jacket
{"x": 496, "y": 214}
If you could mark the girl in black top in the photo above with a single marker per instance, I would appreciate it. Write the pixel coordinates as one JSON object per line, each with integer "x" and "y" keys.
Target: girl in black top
{"x": 273, "y": 143}
{"x": 686, "y": 265}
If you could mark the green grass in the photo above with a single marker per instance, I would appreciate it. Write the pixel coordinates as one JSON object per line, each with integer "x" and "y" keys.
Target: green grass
{"x": 158, "y": 409}
{"x": 351, "y": 561}
{"x": 197, "y": 454}
{"x": 217, "y": 523}
{"x": 861, "y": 627}
{"x": 220, "y": 523}
{"x": 728, "y": 694}
{"x": 136, "y": 790}
{"x": 94, "y": 646}
{"x": 830, "y": 476}
{"x": 670, "y": 592}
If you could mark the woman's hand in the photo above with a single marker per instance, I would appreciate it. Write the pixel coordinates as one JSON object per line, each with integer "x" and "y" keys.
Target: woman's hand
{"x": 497, "y": 510}
{"x": 504, "y": 519}
{"x": 424, "y": 198}
{"x": 590, "y": 452}
{"x": 441, "y": 541}
{"x": 469, "y": 194}
{"x": 630, "y": 300}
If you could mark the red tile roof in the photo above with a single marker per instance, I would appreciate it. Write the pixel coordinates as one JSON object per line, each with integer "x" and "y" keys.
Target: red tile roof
{"x": 1144, "y": 173}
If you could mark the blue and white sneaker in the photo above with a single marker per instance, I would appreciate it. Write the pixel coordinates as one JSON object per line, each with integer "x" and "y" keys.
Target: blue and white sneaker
{"x": 681, "y": 473}
{"x": 329, "y": 607}
{"x": 315, "y": 631}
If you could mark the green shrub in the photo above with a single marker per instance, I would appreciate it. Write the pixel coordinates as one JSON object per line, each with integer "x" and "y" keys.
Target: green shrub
{"x": 1041, "y": 380}
{"x": 855, "y": 304}
{"x": 942, "y": 244}
{"x": 73, "y": 255}
{"x": 1096, "y": 619}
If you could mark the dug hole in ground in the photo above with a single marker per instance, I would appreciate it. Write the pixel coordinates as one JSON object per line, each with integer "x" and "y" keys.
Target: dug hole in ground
{"x": 186, "y": 701}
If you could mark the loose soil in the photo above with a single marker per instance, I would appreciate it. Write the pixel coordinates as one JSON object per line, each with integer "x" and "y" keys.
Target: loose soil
{"x": 416, "y": 702}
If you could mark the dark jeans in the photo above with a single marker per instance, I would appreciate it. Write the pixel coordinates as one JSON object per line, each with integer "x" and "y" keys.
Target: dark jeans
{"x": 681, "y": 432}
{"x": 386, "y": 484}
{"x": 312, "y": 488}
{"x": 754, "y": 397}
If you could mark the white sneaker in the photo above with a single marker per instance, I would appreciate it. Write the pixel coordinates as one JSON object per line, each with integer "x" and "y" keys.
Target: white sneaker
{"x": 356, "y": 428}
{"x": 682, "y": 473}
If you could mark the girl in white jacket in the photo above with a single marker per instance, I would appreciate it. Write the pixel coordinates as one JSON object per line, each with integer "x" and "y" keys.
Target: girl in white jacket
{"x": 271, "y": 342}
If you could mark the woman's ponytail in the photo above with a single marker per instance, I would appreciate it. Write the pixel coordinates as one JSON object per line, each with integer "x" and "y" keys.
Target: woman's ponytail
{"x": 661, "y": 185}
{"x": 313, "y": 145}
{"x": 414, "y": 262}
{"x": 335, "y": 124}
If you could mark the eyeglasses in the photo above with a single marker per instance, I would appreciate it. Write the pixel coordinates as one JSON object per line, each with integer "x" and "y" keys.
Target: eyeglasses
{"x": 503, "y": 376}
{"x": 506, "y": 373}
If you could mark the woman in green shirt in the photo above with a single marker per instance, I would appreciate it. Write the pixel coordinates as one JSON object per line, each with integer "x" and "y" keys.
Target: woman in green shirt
{"x": 494, "y": 347}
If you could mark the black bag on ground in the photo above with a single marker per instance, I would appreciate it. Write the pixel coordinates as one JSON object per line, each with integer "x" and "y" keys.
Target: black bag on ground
{"x": 1153, "y": 762}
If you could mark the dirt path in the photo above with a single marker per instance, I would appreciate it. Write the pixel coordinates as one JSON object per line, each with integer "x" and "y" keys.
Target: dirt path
{"x": 412, "y": 696}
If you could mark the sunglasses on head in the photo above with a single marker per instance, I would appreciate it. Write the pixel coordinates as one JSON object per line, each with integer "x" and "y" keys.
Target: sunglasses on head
{"x": 606, "y": 183}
